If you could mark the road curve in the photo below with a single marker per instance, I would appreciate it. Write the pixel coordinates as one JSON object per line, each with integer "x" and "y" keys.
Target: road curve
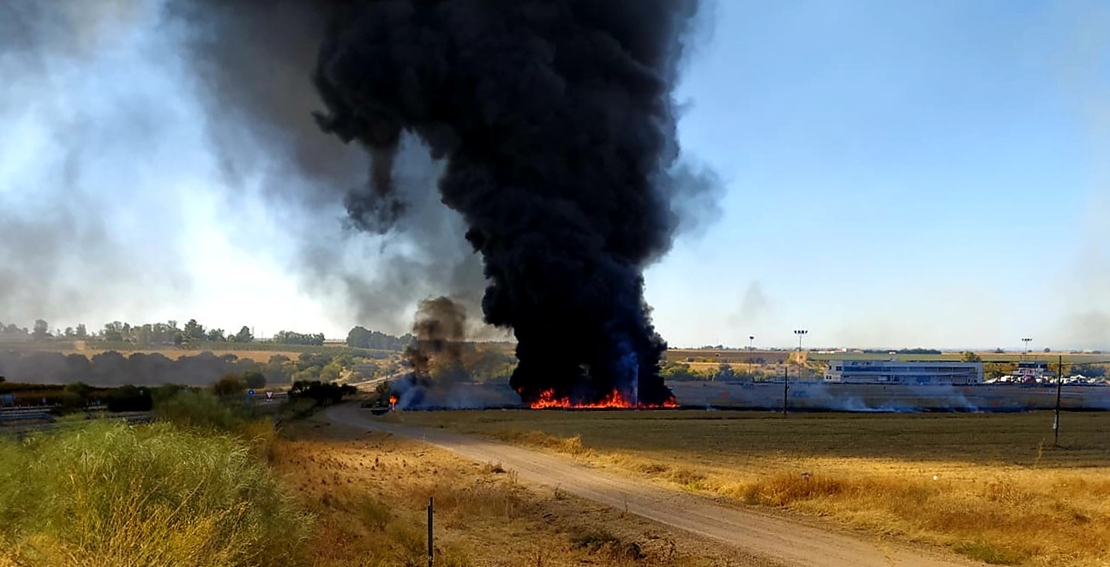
{"x": 785, "y": 541}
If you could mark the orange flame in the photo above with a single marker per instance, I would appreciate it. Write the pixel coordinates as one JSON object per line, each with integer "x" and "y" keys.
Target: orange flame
{"x": 547, "y": 400}
{"x": 392, "y": 401}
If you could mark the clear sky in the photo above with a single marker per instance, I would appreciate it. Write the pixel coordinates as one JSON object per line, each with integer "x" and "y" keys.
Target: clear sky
{"x": 898, "y": 173}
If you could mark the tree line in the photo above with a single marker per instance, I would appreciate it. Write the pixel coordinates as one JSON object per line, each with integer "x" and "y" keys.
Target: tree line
{"x": 113, "y": 368}
{"x": 192, "y": 333}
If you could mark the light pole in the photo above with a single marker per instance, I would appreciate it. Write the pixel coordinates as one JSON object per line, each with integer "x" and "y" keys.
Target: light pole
{"x": 1025, "y": 340}
{"x": 751, "y": 342}
{"x": 801, "y": 333}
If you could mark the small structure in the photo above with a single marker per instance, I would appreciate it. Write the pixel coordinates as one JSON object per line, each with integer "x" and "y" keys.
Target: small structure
{"x": 908, "y": 373}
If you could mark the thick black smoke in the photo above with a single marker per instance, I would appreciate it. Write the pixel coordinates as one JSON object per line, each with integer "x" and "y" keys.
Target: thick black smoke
{"x": 555, "y": 125}
{"x": 558, "y": 125}
{"x": 440, "y": 335}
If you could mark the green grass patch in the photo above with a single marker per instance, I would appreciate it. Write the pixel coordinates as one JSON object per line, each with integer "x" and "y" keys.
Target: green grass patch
{"x": 987, "y": 553}
{"x": 112, "y": 495}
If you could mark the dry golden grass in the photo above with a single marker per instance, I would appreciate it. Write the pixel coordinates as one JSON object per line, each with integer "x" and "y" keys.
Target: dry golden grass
{"x": 368, "y": 493}
{"x": 989, "y": 486}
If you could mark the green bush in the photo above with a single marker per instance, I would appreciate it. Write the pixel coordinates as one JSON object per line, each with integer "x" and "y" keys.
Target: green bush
{"x": 130, "y": 398}
{"x": 199, "y": 410}
{"x": 113, "y": 495}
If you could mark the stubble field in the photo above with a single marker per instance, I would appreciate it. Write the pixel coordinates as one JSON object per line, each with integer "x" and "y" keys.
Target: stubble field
{"x": 991, "y": 486}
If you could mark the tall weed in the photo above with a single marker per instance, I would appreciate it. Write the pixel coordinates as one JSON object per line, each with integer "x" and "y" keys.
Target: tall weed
{"x": 114, "y": 495}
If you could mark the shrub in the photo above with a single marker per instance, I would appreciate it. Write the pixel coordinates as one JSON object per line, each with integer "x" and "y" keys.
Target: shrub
{"x": 254, "y": 380}
{"x": 323, "y": 393}
{"x": 199, "y": 410}
{"x": 229, "y": 385}
{"x": 115, "y": 495}
{"x": 130, "y": 398}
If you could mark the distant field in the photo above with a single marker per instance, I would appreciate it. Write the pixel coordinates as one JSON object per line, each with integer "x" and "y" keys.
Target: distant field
{"x": 727, "y": 356}
{"x": 986, "y": 356}
{"x": 778, "y": 356}
{"x": 988, "y": 485}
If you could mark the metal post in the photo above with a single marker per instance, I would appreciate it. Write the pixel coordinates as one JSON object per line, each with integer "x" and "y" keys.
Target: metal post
{"x": 431, "y": 548}
{"x": 1056, "y": 416}
{"x": 785, "y": 387}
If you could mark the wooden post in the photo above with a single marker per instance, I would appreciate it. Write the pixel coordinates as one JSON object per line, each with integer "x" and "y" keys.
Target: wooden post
{"x": 431, "y": 548}
{"x": 1056, "y": 416}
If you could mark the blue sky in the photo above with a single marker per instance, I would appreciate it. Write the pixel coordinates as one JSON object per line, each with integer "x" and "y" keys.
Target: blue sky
{"x": 898, "y": 174}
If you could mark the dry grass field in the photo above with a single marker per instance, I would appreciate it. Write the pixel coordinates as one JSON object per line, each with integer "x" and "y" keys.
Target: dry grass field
{"x": 368, "y": 493}
{"x": 990, "y": 486}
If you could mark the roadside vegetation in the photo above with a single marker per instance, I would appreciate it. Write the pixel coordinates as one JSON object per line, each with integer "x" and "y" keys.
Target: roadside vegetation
{"x": 112, "y": 495}
{"x": 989, "y": 486}
{"x": 213, "y": 482}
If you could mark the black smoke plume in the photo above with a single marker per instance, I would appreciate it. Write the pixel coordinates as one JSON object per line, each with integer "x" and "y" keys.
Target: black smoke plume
{"x": 557, "y": 124}
{"x": 440, "y": 334}
{"x": 554, "y": 122}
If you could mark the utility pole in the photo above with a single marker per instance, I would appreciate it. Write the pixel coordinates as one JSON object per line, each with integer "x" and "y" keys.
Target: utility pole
{"x": 785, "y": 386}
{"x": 1056, "y": 416}
{"x": 751, "y": 361}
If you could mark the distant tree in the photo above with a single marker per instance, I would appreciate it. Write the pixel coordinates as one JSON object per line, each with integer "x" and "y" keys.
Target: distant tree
{"x": 361, "y": 337}
{"x": 243, "y": 336}
{"x": 1046, "y": 349}
{"x": 229, "y": 385}
{"x": 999, "y": 351}
{"x": 216, "y": 335}
{"x": 113, "y": 332}
{"x": 323, "y": 393}
{"x": 724, "y": 373}
{"x": 292, "y": 338}
{"x": 919, "y": 351}
{"x": 130, "y": 398}
{"x": 255, "y": 380}
{"x": 193, "y": 331}
{"x": 969, "y": 356}
{"x": 81, "y": 389}
{"x": 42, "y": 330}
{"x": 69, "y": 332}
{"x": 82, "y": 332}
{"x": 382, "y": 392}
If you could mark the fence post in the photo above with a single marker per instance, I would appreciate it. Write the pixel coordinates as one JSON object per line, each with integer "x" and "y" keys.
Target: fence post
{"x": 431, "y": 548}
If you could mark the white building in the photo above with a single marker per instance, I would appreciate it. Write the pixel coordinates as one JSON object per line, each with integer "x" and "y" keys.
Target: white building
{"x": 897, "y": 372}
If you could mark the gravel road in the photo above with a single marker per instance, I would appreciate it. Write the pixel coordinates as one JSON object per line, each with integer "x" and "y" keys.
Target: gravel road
{"x": 780, "y": 539}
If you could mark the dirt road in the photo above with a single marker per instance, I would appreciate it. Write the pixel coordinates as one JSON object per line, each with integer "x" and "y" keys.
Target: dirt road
{"x": 770, "y": 535}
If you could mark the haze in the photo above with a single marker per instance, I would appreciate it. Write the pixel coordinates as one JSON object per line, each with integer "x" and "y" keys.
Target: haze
{"x": 896, "y": 174}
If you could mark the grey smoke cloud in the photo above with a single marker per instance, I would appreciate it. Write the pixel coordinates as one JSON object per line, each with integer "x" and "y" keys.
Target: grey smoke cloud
{"x": 92, "y": 224}
{"x": 755, "y": 306}
{"x": 1082, "y": 70}
{"x": 255, "y": 84}
{"x": 74, "y": 201}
